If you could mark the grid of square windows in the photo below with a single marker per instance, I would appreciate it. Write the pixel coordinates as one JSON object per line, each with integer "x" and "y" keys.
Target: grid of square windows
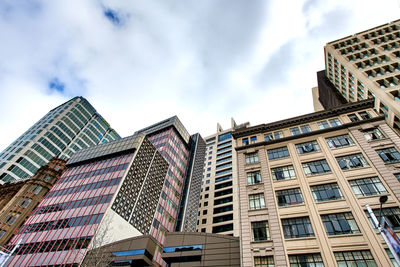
{"x": 297, "y": 227}
{"x": 340, "y": 224}
{"x": 253, "y": 178}
{"x": 256, "y": 201}
{"x": 389, "y": 155}
{"x": 316, "y": 167}
{"x": 277, "y": 153}
{"x": 260, "y": 231}
{"x": 352, "y": 162}
{"x": 339, "y": 141}
{"x": 289, "y": 197}
{"x": 355, "y": 258}
{"x": 308, "y": 147}
{"x": 367, "y": 186}
{"x": 302, "y": 260}
{"x": 326, "y": 192}
{"x": 283, "y": 173}
{"x": 251, "y": 158}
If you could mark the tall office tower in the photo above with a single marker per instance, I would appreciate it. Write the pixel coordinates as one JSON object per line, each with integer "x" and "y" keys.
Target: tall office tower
{"x": 126, "y": 188}
{"x": 187, "y": 215}
{"x": 304, "y": 184}
{"x": 219, "y": 205}
{"x": 61, "y": 132}
{"x": 367, "y": 65}
{"x": 18, "y": 199}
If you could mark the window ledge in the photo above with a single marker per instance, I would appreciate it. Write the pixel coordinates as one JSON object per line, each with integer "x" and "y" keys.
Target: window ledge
{"x": 344, "y": 235}
{"x": 318, "y": 174}
{"x": 291, "y": 206}
{"x": 300, "y": 238}
{"x": 354, "y": 169}
{"x": 330, "y": 201}
{"x": 254, "y": 185}
{"x": 250, "y": 210}
{"x": 263, "y": 241}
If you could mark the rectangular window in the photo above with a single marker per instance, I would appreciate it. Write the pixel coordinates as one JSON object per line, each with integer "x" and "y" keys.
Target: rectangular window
{"x": 260, "y": 231}
{"x": 352, "y": 162}
{"x": 2, "y": 232}
{"x": 253, "y": 178}
{"x": 364, "y": 115}
{"x": 245, "y": 141}
{"x": 256, "y": 201}
{"x": 283, "y": 173}
{"x": 389, "y": 155}
{"x": 251, "y": 158}
{"x": 277, "y": 153}
{"x": 367, "y": 187}
{"x": 302, "y": 260}
{"x": 223, "y": 209}
{"x": 373, "y": 134}
{"x": 253, "y": 139}
{"x": 335, "y": 122}
{"x": 278, "y": 134}
{"x": 305, "y": 128}
{"x": 340, "y": 224}
{"x": 326, "y": 192}
{"x": 307, "y": 147}
{"x": 24, "y": 202}
{"x": 10, "y": 219}
{"x": 268, "y": 137}
{"x": 392, "y": 215}
{"x": 323, "y": 125}
{"x": 297, "y": 227}
{"x": 355, "y": 258}
{"x": 316, "y": 167}
{"x": 36, "y": 189}
{"x": 289, "y": 197}
{"x": 340, "y": 141}
{"x": 353, "y": 117}
{"x": 264, "y": 261}
{"x": 294, "y": 131}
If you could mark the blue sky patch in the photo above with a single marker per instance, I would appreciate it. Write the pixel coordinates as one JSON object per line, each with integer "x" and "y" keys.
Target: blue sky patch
{"x": 56, "y": 85}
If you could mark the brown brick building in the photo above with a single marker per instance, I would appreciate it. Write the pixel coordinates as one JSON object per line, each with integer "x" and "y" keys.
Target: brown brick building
{"x": 18, "y": 199}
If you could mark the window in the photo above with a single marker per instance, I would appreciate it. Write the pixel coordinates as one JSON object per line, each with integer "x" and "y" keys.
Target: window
{"x": 373, "y": 134}
{"x": 353, "y": 117}
{"x": 389, "y": 155}
{"x": 340, "y": 224}
{"x": 251, "y": 158}
{"x": 307, "y": 147}
{"x": 397, "y": 175}
{"x": 2, "y": 232}
{"x": 326, "y": 192}
{"x": 306, "y": 260}
{"x": 364, "y": 115}
{"x": 204, "y": 221}
{"x": 204, "y": 212}
{"x": 222, "y": 228}
{"x": 264, "y": 261}
{"x": 294, "y": 131}
{"x": 352, "y": 162}
{"x": 316, "y": 167}
{"x": 224, "y": 137}
{"x": 253, "y": 178}
{"x": 355, "y": 258}
{"x": 335, "y": 122}
{"x": 278, "y": 134}
{"x": 260, "y": 231}
{"x": 367, "y": 187}
{"x": 24, "y": 202}
{"x": 10, "y": 219}
{"x": 223, "y": 218}
{"x": 323, "y": 125}
{"x": 36, "y": 189}
{"x": 305, "y": 128}
{"x": 289, "y": 197}
{"x": 223, "y": 209}
{"x": 391, "y": 257}
{"x": 253, "y": 139}
{"x": 268, "y": 137}
{"x": 283, "y": 173}
{"x": 297, "y": 227}
{"x": 277, "y": 153}
{"x": 205, "y": 203}
{"x": 340, "y": 141}
{"x": 256, "y": 201}
{"x": 392, "y": 215}
{"x": 203, "y": 230}
{"x": 245, "y": 141}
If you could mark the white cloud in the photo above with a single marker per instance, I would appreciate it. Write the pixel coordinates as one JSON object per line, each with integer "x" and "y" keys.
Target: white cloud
{"x": 204, "y": 61}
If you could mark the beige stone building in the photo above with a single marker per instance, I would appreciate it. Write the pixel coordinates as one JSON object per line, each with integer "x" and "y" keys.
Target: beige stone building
{"x": 367, "y": 65}
{"x": 303, "y": 184}
{"x": 219, "y": 203}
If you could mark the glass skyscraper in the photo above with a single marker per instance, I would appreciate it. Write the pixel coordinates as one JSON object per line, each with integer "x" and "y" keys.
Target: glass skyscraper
{"x": 61, "y": 132}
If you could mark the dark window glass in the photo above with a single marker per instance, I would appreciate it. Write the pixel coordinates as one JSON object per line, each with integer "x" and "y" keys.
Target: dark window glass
{"x": 326, "y": 192}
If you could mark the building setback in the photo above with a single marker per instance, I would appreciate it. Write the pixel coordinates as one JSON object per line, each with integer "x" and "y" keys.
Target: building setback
{"x": 18, "y": 199}
{"x": 126, "y": 188}
{"x": 60, "y": 133}
{"x": 367, "y": 65}
{"x": 303, "y": 192}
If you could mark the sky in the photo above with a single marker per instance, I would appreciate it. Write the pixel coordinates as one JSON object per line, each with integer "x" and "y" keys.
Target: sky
{"x": 139, "y": 62}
